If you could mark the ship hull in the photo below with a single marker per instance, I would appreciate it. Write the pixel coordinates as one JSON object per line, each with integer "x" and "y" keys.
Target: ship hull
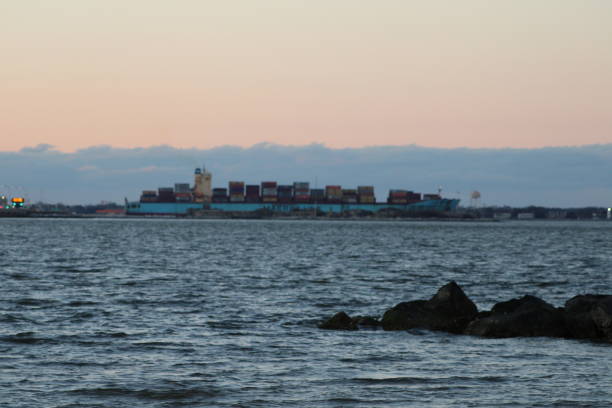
{"x": 183, "y": 209}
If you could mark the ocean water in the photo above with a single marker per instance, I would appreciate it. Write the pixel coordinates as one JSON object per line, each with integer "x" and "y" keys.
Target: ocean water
{"x": 223, "y": 313}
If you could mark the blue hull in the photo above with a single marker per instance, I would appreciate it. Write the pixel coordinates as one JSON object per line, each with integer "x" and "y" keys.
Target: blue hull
{"x": 137, "y": 208}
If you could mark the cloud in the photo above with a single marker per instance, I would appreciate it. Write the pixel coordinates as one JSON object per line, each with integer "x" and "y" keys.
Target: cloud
{"x": 87, "y": 168}
{"x": 559, "y": 176}
{"x": 40, "y": 148}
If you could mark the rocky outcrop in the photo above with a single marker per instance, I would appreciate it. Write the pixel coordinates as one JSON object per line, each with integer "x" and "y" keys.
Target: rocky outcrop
{"x": 589, "y": 317}
{"x": 339, "y": 321}
{"x": 366, "y": 322}
{"x": 449, "y": 310}
{"x": 342, "y": 321}
{"x": 528, "y": 316}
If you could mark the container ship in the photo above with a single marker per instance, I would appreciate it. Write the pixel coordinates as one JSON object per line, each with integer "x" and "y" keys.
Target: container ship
{"x": 270, "y": 196}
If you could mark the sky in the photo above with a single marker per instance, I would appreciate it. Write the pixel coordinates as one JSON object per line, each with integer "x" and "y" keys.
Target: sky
{"x": 197, "y": 74}
{"x": 552, "y": 176}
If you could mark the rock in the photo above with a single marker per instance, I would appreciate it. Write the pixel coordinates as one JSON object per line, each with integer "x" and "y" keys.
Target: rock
{"x": 339, "y": 321}
{"x": 589, "y": 317}
{"x": 528, "y": 316}
{"x": 449, "y": 310}
{"x": 366, "y": 322}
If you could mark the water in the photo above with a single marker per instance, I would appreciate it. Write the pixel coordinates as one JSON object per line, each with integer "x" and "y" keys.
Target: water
{"x": 181, "y": 313}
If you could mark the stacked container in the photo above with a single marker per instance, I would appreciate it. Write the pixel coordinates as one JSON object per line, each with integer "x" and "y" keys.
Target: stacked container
{"x": 414, "y": 197}
{"x": 333, "y": 194}
{"x": 301, "y": 192}
{"x": 166, "y": 195}
{"x": 427, "y": 197}
{"x": 349, "y": 196}
{"x": 269, "y": 192}
{"x": 285, "y": 193}
{"x": 219, "y": 195}
{"x": 366, "y": 194}
{"x": 182, "y": 192}
{"x": 182, "y": 188}
{"x": 148, "y": 196}
{"x": 252, "y": 194}
{"x": 398, "y": 197}
{"x": 183, "y": 197}
{"x": 236, "y": 191}
{"x": 317, "y": 195}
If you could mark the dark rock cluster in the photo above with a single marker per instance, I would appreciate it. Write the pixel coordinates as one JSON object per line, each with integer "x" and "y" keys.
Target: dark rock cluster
{"x": 450, "y": 310}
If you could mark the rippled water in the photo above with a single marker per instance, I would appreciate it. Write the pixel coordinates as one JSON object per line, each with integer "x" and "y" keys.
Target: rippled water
{"x": 182, "y": 313}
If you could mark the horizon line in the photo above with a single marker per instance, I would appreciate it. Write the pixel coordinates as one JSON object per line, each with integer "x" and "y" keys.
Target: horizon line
{"x": 46, "y": 147}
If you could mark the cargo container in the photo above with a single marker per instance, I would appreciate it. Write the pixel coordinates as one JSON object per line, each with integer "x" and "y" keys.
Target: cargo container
{"x": 367, "y": 199}
{"x": 252, "y": 194}
{"x": 220, "y": 193}
{"x": 184, "y": 197}
{"x": 268, "y": 191}
{"x": 365, "y": 190}
{"x": 236, "y": 198}
{"x": 165, "y": 190}
{"x": 349, "y": 196}
{"x": 317, "y": 195}
{"x": 148, "y": 196}
{"x": 236, "y": 187}
{"x": 301, "y": 189}
{"x": 301, "y": 198}
{"x": 182, "y": 188}
{"x": 166, "y": 195}
{"x": 285, "y": 191}
{"x": 166, "y": 199}
{"x": 333, "y": 194}
{"x": 252, "y": 190}
{"x": 431, "y": 197}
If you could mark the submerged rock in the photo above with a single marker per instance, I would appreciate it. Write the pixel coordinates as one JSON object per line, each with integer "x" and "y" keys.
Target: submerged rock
{"x": 528, "y": 316}
{"x": 339, "y": 321}
{"x": 449, "y": 310}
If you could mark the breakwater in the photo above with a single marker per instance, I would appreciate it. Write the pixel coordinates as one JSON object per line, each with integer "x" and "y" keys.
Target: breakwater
{"x": 451, "y": 310}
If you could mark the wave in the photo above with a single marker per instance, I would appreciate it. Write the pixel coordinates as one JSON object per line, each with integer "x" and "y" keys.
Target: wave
{"x": 35, "y": 302}
{"x": 428, "y": 380}
{"x": 148, "y": 393}
{"x": 15, "y": 318}
{"x": 25, "y": 338}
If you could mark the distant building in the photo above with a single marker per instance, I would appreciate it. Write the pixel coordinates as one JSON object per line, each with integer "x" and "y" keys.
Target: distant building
{"x": 556, "y": 215}
{"x": 525, "y": 216}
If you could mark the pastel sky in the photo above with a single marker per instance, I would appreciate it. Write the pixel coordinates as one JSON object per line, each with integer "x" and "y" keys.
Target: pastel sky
{"x": 346, "y": 73}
